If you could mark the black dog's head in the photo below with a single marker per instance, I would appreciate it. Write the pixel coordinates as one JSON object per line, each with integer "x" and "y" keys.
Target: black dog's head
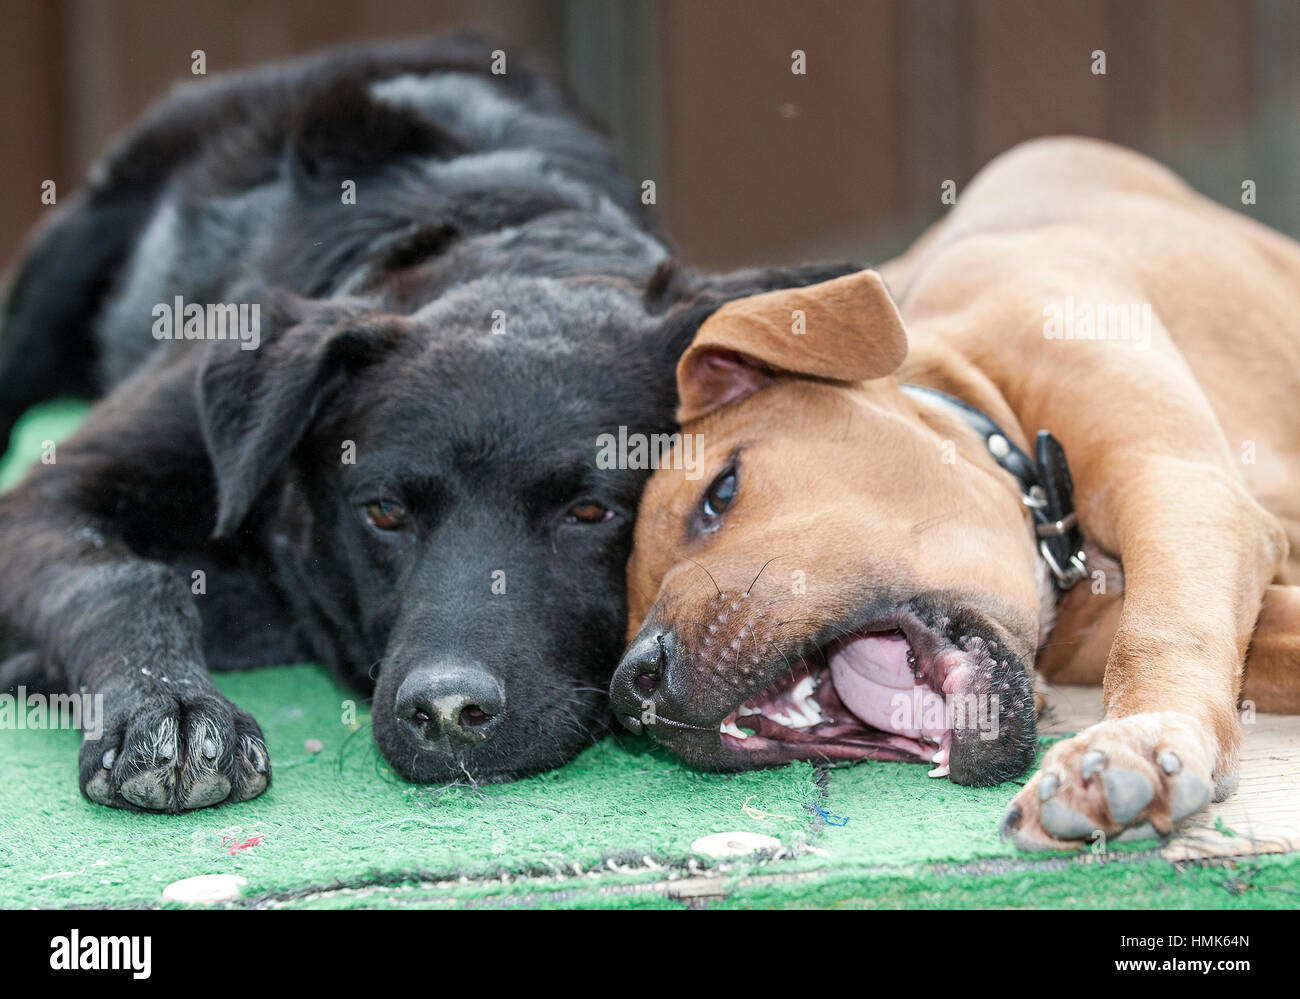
{"x": 441, "y": 511}
{"x": 442, "y": 514}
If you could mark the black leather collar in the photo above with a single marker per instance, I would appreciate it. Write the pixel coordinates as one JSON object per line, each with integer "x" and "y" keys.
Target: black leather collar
{"x": 1045, "y": 488}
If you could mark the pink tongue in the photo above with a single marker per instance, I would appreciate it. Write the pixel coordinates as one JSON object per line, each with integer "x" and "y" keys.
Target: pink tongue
{"x": 875, "y": 682}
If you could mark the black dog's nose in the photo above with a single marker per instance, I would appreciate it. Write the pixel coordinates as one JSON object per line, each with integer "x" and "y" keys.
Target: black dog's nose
{"x": 460, "y": 703}
{"x": 640, "y": 676}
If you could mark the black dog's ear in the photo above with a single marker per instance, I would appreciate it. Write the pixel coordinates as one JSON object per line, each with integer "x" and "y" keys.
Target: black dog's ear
{"x": 255, "y": 405}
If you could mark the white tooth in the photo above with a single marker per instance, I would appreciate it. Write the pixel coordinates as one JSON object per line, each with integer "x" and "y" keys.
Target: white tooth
{"x": 802, "y": 690}
{"x": 801, "y": 716}
{"x": 733, "y": 730}
{"x": 781, "y": 718}
{"x": 938, "y": 757}
{"x": 939, "y": 771}
{"x": 745, "y": 709}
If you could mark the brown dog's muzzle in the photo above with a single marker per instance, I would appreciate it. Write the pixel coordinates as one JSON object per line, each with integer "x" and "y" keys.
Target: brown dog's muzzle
{"x": 917, "y": 683}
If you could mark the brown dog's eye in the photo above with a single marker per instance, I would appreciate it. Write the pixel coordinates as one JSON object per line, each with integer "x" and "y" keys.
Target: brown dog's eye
{"x": 385, "y": 515}
{"x": 721, "y": 492}
{"x": 588, "y": 513}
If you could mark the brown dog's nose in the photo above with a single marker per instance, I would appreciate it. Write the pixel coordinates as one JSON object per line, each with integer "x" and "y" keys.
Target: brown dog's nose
{"x": 640, "y": 676}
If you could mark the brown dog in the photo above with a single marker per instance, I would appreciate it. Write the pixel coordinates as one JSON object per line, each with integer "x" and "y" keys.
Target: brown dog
{"x": 855, "y": 574}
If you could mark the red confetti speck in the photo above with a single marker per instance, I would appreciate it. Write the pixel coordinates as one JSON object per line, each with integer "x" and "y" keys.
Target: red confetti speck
{"x": 235, "y": 845}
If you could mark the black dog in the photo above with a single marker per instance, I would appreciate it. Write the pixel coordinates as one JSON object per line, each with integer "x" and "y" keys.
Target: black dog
{"x": 457, "y": 296}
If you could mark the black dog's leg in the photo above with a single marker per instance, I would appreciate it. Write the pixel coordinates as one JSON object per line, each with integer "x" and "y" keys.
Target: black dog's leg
{"x": 22, "y": 670}
{"x": 77, "y": 583}
{"x": 47, "y": 338}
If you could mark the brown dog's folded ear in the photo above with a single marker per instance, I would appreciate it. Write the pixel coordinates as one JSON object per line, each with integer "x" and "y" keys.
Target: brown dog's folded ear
{"x": 847, "y": 329}
{"x": 255, "y": 406}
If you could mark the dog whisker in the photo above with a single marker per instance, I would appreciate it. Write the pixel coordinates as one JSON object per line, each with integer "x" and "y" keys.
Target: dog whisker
{"x": 707, "y": 573}
{"x": 750, "y": 588}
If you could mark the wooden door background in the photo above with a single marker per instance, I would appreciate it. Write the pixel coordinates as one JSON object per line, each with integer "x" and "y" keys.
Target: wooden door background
{"x": 752, "y": 163}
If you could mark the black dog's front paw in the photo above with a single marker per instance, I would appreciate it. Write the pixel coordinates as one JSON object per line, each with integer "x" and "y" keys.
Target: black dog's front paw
{"x": 166, "y": 753}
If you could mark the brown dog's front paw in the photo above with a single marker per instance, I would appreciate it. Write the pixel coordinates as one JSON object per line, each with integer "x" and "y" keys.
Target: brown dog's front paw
{"x": 1123, "y": 779}
{"x": 161, "y": 753}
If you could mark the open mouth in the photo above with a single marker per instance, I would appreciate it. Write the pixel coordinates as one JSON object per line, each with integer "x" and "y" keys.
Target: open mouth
{"x": 871, "y": 695}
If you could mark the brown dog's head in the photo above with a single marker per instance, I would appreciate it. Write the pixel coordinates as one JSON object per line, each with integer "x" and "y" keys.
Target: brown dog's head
{"x": 842, "y": 571}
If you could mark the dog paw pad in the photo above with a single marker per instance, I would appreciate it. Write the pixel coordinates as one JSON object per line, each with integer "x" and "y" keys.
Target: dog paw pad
{"x": 1064, "y": 822}
{"x": 146, "y": 791}
{"x": 1123, "y": 779}
{"x": 208, "y": 789}
{"x": 1190, "y": 795}
{"x": 1127, "y": 793}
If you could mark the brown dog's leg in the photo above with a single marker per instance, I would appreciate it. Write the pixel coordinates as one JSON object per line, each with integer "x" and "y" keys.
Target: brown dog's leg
{"x": 1272, "y": 675}
{"x": 1198, "y": 553}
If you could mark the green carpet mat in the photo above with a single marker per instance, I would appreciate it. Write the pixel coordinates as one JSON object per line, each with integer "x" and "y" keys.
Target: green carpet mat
{"x": 613, "y": 829}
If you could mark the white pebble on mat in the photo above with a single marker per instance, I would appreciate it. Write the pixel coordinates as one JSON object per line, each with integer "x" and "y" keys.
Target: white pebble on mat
{"x": 206, "y": 889}
{"x": 734, "y": 844}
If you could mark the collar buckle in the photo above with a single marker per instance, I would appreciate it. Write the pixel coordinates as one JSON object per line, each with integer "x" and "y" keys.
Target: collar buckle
{"x": 1074, "y": 570}
{"x": 1046, "y": 488}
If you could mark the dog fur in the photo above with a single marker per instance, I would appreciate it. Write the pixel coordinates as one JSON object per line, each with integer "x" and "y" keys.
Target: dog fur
{"x": 441, "y": 354}
{"x": 1185, "y": 452}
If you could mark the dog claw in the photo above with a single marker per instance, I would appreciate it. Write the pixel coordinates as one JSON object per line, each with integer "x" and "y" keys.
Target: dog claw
{"x": 209, "y": 749}
{"x": 1127, "y": 793}
{"x": 109, "y": 759}
{"x": 1170, "y": 763}
{"x": 1190, "y": 795}
{"x": 257, "y": 757}
{"x": 1048, "y": 786}
{"x": 1065, "y": 823}
{"x": 1010, "y": 822}
{"x": 1093, "y": 762}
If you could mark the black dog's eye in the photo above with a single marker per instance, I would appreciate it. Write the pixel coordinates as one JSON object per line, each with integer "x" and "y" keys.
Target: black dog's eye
{"x": 588, "y": 513}
{"x": 386, "y": 515}
{"x": 721, "y": 492}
